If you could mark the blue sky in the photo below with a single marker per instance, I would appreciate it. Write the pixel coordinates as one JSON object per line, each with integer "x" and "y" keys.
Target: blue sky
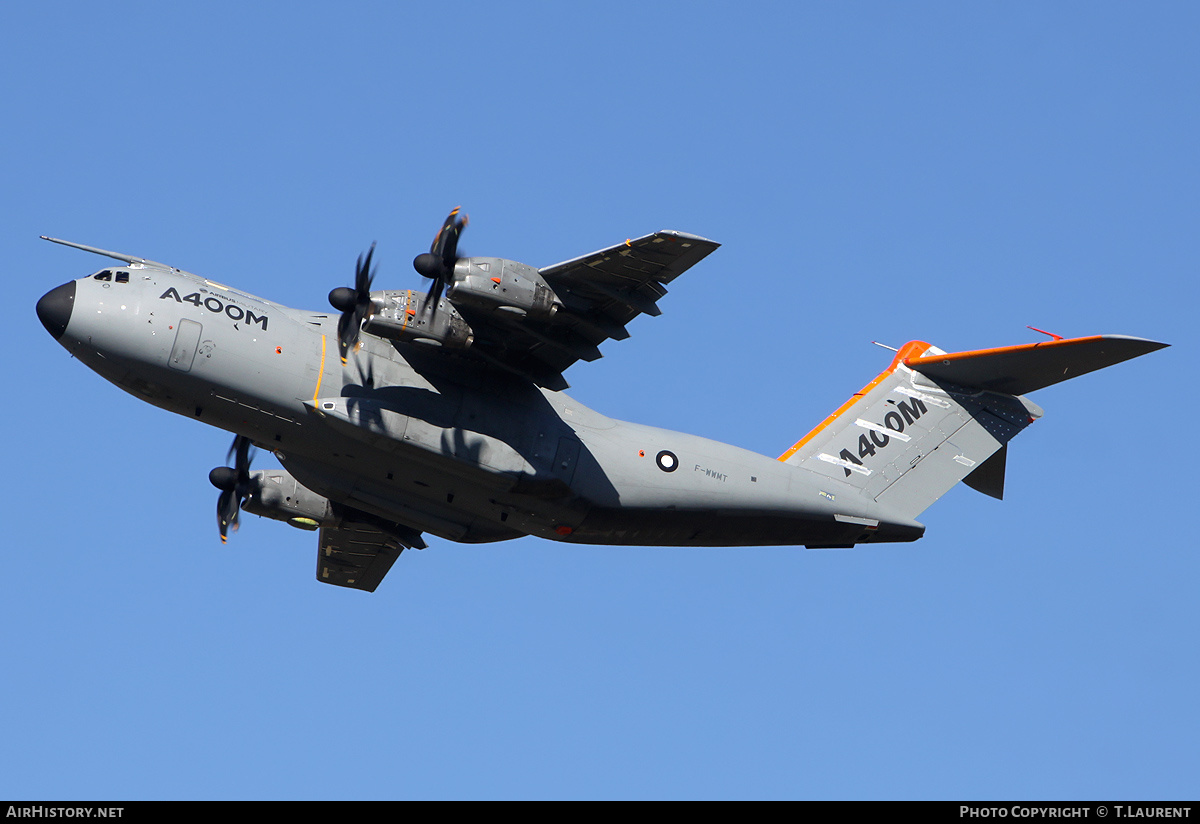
{"x": 875, "y": 171}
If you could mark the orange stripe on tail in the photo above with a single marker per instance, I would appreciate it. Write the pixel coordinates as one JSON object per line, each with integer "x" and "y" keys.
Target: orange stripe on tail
{"x": 912, "y": 349}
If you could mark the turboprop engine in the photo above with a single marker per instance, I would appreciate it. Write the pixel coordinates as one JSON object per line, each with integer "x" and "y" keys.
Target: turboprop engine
{"x": 495, "y": 284}
{"x": 276, "y": 494}
{"x": 408, "y": 316}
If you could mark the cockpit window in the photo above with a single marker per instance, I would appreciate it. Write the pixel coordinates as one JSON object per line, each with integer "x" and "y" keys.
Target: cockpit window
{"x": 105, "y": 275}
{"x": 122, "y": 277}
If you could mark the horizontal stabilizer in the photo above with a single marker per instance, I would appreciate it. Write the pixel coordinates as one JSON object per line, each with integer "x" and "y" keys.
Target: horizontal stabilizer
{"x": 1016, "y": 370}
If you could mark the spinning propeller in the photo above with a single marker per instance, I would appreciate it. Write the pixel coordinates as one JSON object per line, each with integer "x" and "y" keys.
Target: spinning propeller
{"x": 234, "y": 484}
{"x": 438, "y": 263}
{"x": 354, "y": 304}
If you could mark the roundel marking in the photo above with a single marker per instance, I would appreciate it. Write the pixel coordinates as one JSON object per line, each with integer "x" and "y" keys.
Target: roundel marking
{"x": 667, "y": 461}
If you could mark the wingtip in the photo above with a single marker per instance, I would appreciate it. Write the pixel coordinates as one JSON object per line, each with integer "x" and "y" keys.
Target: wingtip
{"x": 1146, "y": 344}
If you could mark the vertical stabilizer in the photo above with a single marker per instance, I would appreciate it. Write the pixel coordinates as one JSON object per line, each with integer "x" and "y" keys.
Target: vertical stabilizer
{"x": 932, "y": 419}
{"x": 905, "y": 440}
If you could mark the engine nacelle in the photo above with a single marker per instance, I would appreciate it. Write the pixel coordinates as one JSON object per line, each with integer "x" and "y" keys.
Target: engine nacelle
{"x": 493, "y": 284}
{"x": 405, "y": 316}
{"x": 276, "y": 494}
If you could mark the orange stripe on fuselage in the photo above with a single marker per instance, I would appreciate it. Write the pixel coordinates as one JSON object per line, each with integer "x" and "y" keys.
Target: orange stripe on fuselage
{"x": 908, "y": 351}
{"x": 320, "y": 372}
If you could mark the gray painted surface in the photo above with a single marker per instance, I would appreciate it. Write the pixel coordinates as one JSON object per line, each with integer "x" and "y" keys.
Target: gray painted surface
{"x": 474, "y": 443}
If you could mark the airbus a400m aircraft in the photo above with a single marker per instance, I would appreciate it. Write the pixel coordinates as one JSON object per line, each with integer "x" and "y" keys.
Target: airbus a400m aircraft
{"x": 442, "y": 411}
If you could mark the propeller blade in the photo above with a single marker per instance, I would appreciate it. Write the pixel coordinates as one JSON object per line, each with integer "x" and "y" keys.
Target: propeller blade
{"x": 363, "y": 276}
{"x": 227, "y": 514}
{"x": 354, "y": 303}
{"x": 445, "y": 245}
{"x": 240, "y": 448}
{"x": 438, "y": 263}
{"x": 234, "y": 483}
{"x": 434, "y": 297}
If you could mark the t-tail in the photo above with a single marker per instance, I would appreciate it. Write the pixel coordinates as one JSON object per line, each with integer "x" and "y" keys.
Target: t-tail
{"x": 932, "y": 419}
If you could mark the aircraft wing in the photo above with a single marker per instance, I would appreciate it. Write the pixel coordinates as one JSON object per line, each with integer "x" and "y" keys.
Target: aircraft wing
{"x": 600, "y": 292}
{"x": 355, "y": 556}
{"x": 619, "y": 283}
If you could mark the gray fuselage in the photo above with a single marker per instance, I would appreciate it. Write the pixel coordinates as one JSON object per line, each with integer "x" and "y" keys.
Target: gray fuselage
{"x": 433, "y": 441}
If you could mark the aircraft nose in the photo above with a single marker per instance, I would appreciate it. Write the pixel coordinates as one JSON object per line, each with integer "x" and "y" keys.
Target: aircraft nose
{"x": 54, "y": 309}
